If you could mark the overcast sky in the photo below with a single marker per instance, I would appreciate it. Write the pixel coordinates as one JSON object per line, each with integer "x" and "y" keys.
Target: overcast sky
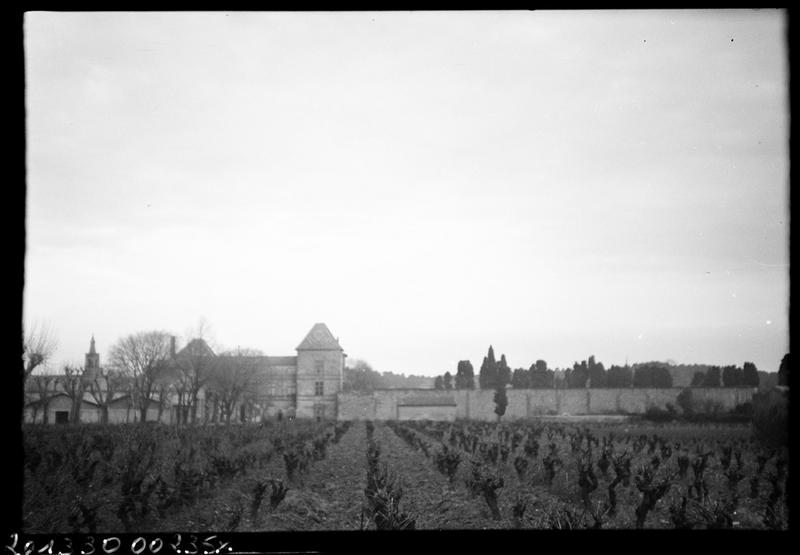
{"x": 556, "y": 184}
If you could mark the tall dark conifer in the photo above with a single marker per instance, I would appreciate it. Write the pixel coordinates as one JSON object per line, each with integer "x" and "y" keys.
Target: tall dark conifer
{"x": 750, "y": 375}
{"x": 488, "y": 373}
{"x": 503, "y": 372}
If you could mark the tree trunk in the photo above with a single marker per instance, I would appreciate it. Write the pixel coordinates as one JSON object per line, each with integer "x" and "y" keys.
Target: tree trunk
{"x": 76, "y": 409}
{"x": 104, "y": 414}
{"x": 193, "y": 408}
{"x": 143, "y": 414}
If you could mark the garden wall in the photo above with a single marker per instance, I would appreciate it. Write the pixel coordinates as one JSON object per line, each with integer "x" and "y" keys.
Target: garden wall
{"x": 525, "y": 403}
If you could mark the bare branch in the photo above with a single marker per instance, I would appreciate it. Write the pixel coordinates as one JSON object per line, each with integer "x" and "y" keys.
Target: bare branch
{"x": 142, "y": 359}
{"x": 39, "y": 345}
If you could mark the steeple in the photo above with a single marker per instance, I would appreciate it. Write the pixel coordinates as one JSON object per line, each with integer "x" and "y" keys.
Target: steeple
{"x": 92, "y": 364}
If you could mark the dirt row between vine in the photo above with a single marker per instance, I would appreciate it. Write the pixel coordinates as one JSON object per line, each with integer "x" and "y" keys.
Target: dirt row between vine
{"x": 428, "y": 495}
{"x": 328, "y": 496}
{"x": 331, "y": 495}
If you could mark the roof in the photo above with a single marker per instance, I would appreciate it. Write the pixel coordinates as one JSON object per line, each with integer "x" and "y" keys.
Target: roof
{"x": 282, "y": 361}
{"x": 39, "y": 401}
{"x": 319, "y": 338}
{"x": 196, "y": 347}
{"x": 439, "y": 401}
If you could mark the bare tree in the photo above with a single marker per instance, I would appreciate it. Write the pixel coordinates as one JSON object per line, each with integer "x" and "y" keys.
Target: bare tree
{"x": 180, "y": 387}
{"x": 233, "y": 376}
{"x": 44, "y": 385}
{"x": 212, "y": 405}
{"x": 163, "y": 390}
{"x": 195, "y": 365}
{"x": 74, "y": 387}
{"x": 141, "y": 357}
{"x": 103, "y": 388}
{"x": 39, "y": 345}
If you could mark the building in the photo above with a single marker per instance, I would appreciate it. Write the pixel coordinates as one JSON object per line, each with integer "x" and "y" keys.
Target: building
{"x": 304, "y": 386}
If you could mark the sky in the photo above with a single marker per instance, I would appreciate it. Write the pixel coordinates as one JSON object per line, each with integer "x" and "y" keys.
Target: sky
{"x": 555, "y": 184}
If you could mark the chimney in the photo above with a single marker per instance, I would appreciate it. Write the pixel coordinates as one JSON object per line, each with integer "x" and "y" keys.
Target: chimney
{"x": 172, "y": 345}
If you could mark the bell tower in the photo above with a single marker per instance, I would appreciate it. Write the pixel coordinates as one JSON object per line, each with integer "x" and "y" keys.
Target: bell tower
{"x": 91, "y": 366}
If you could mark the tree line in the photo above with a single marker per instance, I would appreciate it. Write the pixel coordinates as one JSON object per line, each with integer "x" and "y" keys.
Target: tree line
{"x": 494, "y": 374}
{"x": 360, "y": 376}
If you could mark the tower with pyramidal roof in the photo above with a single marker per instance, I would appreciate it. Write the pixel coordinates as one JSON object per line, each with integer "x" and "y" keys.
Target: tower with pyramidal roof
{"x": 320, "y": 373}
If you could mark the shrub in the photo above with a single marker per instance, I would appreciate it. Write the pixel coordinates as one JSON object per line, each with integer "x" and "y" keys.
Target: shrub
{"x": 684, "y": 401}
{"x": 657, "y": 414}
{"x": 711, "y": 407}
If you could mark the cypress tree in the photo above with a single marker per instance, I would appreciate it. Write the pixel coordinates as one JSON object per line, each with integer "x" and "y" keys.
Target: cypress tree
{"x": 465, "y": 376}
{"x": 618, "y": 376}
{"x": 712, "y": 377}
{"x": 577, "y": 378}
{"x": 521, "y": 379}
{"x": 540, "y": 377}
{"x": 732, "y": 376}
{"x": 750, "y": 375}
{"x": 488, "y": 373}
{"x": 597, "y": 373}
{"x": 500, "y": 401}
{"x": 469, "y": 375}
{"x": 503, "y": 372}
{"x": 448, "y": 380}
{"x": 460, "y": 379}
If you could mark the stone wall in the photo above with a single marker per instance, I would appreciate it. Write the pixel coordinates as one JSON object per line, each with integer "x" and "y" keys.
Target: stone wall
{"x": 445, "y": 412}
{"x": 526, "y": 403}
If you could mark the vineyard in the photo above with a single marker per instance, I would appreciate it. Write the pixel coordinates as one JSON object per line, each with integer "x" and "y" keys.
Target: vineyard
{"x": 303, "y": 475}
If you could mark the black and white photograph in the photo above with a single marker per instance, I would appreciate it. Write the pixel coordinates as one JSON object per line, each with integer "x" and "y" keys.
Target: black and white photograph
{"x": 308, "y": 271}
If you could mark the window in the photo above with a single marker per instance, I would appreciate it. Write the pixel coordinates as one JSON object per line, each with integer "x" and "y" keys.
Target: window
{"x": 62, "y": 417}
{"x": 319, "y": 366}
{"x": 318, "y": 389}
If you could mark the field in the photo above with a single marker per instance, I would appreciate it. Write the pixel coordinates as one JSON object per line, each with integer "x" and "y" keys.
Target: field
{"x": 302, "y": 475}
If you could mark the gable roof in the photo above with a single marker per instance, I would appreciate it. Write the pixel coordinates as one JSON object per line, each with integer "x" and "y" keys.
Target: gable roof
{"x": 39, "y": 401}
{"x": 320, "y": 338}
